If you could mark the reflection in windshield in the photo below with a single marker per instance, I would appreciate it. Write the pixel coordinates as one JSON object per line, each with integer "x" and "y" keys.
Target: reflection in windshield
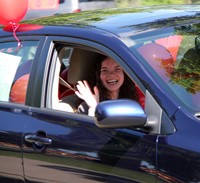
{"x": 159, "y": 58}
{"x": 187, "y": 74}
{"x": 176, "y": 59}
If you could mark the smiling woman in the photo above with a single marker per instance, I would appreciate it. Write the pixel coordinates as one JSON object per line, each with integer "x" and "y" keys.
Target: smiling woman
{"x": 109, "y": 83}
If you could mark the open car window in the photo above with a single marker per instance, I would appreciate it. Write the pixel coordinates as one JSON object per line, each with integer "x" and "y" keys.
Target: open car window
{"x": 74, "y": 64}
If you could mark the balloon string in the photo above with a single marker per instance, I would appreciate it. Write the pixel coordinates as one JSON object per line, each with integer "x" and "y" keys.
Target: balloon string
{"x": 15, "y": 27}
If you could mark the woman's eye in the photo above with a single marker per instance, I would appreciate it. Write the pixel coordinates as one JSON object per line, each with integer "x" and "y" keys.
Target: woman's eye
{"x": 118, "y": 69}
{"x": 103, "y": 70}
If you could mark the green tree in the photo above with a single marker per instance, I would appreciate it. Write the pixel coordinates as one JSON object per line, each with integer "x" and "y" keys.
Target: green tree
{"x": 153, "y": 2}
{"x": 187, "y": 74}
{"x": 124, "y": 3}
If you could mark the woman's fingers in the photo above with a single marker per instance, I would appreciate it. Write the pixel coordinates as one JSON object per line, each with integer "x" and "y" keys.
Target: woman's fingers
{"x": 84, "y": 92}
{"x": 83, "y": 88}
{"x": 96, "y": 93}
{"x": 86, "y": 85}
{"x": 79, "y": 95}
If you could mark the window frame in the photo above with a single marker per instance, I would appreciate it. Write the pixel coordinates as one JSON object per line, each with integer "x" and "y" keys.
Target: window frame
{"x": 37, "y": 53}
{"x": 77, "y": 43}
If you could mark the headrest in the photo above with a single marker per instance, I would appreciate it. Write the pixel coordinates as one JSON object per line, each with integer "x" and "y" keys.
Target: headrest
{"x": 81, "y": 65}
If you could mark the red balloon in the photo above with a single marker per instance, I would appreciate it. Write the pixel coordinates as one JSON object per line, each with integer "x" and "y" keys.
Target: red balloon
{"x": 159, "y": 58}
{"x": 18, "y": 90}
{"x": 12, "y": 11}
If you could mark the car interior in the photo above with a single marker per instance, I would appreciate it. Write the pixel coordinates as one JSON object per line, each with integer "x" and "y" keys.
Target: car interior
{"x": 79, "y": 67}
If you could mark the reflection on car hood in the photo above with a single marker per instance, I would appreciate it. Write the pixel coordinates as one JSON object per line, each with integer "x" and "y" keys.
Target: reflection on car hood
{"x": 119, "y": 20}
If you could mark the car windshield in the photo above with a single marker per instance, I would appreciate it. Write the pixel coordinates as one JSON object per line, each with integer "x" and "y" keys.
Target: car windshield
{"x": 175, "y": 56}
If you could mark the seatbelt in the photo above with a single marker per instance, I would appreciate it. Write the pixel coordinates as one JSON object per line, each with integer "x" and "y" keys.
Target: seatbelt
{"x": 64, "y": 83}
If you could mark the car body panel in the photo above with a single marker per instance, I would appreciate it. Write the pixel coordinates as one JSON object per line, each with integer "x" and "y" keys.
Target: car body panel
{"x": 80, "y": 151}
{"x": 14, "y": 119}
{"x": 179, "y": 150}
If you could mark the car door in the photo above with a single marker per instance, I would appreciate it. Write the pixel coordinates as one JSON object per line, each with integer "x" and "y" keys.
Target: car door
{"x": 65, "y": 147}
{"x": 178, "y": 160}
{"x": 61, "y": 146}
{"x": 15, "y": 63}
{"x": 13, "y": 119}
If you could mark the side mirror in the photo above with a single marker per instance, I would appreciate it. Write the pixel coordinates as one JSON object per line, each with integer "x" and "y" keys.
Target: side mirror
{"x": 119, "y": 114}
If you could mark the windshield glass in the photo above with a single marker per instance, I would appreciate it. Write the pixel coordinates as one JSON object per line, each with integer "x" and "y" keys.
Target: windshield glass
{"x": 175, "y": 56}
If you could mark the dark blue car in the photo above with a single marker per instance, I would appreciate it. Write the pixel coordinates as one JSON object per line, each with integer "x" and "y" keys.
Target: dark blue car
{"x": 153, "y": 140}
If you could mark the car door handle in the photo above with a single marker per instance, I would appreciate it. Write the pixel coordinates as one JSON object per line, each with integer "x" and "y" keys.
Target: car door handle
{"x": 38, "y": 140}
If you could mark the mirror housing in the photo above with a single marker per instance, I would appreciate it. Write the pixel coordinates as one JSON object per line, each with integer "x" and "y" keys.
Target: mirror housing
{"x": 120, "y": 113}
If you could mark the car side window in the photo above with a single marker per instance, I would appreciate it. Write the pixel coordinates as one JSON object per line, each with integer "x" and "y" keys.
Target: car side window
{"x": 15, "y": 65}
{"x": 73, "y": 65}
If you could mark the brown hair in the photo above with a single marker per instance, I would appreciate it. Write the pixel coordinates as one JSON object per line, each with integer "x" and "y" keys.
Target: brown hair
{"x": 127, "y": 90}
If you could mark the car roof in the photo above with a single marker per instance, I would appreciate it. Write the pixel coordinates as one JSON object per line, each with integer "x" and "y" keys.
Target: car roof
{"x": 118, "y": 20}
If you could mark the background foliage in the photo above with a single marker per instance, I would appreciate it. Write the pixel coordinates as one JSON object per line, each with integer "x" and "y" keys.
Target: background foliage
{"x": 124, "y": 3}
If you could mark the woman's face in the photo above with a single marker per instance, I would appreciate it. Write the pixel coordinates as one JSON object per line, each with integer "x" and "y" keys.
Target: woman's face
{"x": 111, "y": 75}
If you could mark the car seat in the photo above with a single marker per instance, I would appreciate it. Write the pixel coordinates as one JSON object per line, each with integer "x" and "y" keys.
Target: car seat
{"x": 81, "y": 65}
